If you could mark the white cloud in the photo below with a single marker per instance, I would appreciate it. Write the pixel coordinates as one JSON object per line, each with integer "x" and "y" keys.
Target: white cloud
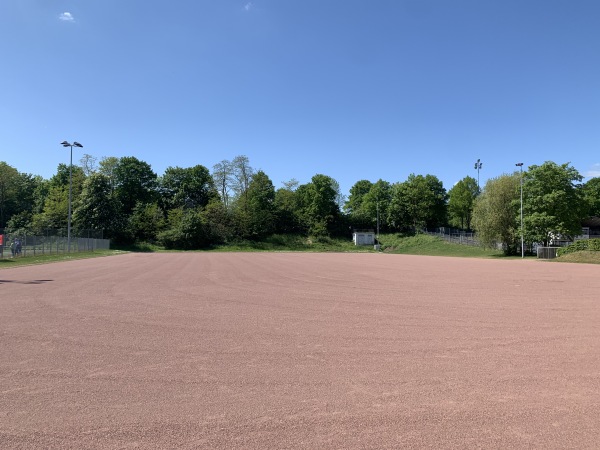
{"x": 67, "y": 17}
{"x": 248, "y": 6}
{"x": 593, "y": 172}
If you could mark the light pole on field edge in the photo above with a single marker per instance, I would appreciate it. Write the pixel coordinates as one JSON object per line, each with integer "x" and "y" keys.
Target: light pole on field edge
{"x": 520, "y": 165}
{"x": 67, "y": 144}
{"x": 478, "y": 165}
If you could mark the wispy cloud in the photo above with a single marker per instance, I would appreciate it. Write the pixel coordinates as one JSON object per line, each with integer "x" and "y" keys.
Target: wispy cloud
{"x": 594, "y": 171}
{"x": 248, "y": 6}
{"x": 67, "y": 17}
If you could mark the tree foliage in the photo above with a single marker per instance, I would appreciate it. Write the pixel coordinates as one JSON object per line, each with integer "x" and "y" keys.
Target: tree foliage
{"x": 9, "y": 179}
{"x": 591, "y": 195}
{"x": 418, "y": 203}
{"x": 553, "y": 204}
{"x": 317, "y": 205}
{"x": 495, "y": 213}
{"x": 255, "y": 211}
{"x": 191, "y": 208}
{"x": 135, "y": 182}
{"x": 97, "y": 208}
{"x": 190, "y": 187}
{"x": 461, "y": 199}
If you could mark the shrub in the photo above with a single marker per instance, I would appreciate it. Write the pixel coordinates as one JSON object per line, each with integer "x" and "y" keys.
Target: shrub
{"x": 581, "y": 245}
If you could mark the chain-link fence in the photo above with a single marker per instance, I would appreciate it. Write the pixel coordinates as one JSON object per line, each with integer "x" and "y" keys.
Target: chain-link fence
{"x": 454, "y": 235}
{"x": 52, "y": 242}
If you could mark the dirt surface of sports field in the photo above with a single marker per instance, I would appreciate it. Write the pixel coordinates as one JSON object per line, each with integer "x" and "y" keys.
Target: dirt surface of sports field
{"x": 297, "y": 350}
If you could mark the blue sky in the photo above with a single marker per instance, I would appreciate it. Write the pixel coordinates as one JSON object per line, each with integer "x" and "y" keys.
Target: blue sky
{"x": 351, "y": 89}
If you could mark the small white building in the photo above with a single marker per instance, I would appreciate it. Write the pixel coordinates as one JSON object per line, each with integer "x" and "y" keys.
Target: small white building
{"x": 363, "y": 238}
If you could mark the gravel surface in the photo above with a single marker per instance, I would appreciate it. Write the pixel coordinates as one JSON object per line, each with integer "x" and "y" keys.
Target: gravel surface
{"x": 299, "y": 350}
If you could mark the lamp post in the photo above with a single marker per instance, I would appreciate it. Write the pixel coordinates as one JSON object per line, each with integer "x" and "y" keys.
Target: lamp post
{"x": 378, "y": 225}
{"x": 520, "y": 165}
{"x": 67, "y": 144}
{"x": 478, "y": 165}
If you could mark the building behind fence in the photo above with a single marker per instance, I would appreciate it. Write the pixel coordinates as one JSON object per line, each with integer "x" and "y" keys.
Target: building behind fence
{"x": 52, "y": 242}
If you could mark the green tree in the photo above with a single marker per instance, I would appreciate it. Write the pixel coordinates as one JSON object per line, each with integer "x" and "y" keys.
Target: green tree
{"x": 107, "y": 167}
{"x": 591, "y": 195}
{"x": 461, "y": 199}
{"x": 377, "y": 200}
{"x": 188, "y": 229}
{"x": 255, "y": 211}
{"x": 287, "y": 218}
{"x": 366, "y": 200}
{"x": 353, "y": 206}
{"x": 88, "y": 164}
{"x": 135, "y": 182}
{"x": 9, "y": 181}
{"x": 495, "y": 213}
{"x": 146, "y": 222}
{"x": 55, "y": 210}
{"x": 317, "y": 206}
{"x": 97, "y": 208}
{"x": 417, "y": 203}
{"x": 188, "y": 187}
{"x": 242, "y": 173}
{"x": 553, "y": 202}
{"x": 223, "y": 179}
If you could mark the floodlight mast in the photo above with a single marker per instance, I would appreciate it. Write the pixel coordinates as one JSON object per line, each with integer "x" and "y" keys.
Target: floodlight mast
{"x": 520, "y": 165}
{"x": 478, "y": 165}
{"x": 68, "y": 144}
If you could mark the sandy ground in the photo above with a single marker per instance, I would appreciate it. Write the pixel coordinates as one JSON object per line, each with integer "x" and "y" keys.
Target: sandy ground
{"x": 295, "y": 350}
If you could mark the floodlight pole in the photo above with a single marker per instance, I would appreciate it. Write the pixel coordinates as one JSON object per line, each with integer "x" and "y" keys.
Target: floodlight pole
{"x": 378, "y": 222}
{"x": 478, "y": 165}
{"x": 67, "y": 144}
{"x": 520, "y": 165}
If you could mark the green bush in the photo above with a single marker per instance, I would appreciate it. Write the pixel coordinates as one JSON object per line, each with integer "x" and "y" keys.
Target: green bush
{"x": 581, "y": 245}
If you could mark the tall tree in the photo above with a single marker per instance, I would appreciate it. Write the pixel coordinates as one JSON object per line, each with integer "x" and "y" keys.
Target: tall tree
{"x": 256, "y": 210}
{"x": 9, "y": 181}
{"x": 495, "y": 213}
{"x": 223, "y": 178}
{"x": 242, "y": 174}
{"x": 107, "y": 167}
{"x": 97, "y": 208}
{"x": 88, "y": 164}
{"x": 376, "y": 203}
{"x": 286, "y": 208}
{"x": 591, "y": 195}
{"x": 553, "y": 202}
{"x": 357, "y": 194}
{"x": 417, "y": 203}
{"x": 461, "y": 199}
{"x": 317, "y": 205}
{"x": 188, "y": 187}
{"x": 135, "y": 183}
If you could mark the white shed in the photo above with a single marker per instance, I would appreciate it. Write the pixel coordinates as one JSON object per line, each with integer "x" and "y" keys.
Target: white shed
{"x": 363, "y": 238}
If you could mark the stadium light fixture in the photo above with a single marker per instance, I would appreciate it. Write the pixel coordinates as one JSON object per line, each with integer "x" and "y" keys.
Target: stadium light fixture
{"x": 478, "y": 165}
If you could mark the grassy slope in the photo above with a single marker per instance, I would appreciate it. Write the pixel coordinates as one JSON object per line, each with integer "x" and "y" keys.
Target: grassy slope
{"x": 584, "y": 256}
{"x": 6, "y": 263}
{"x": 416, "y": 245}
{"x": 432, "y": 246}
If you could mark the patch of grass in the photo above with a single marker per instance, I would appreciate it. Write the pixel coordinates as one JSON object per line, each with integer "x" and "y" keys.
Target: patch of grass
{"x": 423, "y": 244}
{"x": 142, "y": 247}
{"x": 583, "y": 256}
{"x": 8, "y": 262}
{"x": 293, "y": 243}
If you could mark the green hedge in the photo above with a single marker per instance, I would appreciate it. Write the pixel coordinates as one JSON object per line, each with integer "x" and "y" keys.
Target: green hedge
{"x": 583, "y": 244}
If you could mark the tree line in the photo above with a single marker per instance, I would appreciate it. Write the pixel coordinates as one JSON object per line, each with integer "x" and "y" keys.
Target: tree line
{"x": 194, "y": 207}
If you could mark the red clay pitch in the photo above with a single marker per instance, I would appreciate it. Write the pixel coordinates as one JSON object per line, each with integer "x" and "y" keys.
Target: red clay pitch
{"x": 297, "y": 350}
